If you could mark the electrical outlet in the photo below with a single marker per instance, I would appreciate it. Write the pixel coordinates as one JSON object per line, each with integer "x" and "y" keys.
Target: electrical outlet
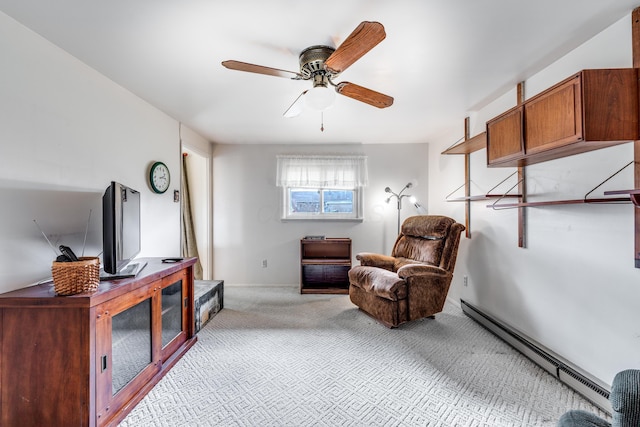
{"x": 465, "y": 281}
{"x": 264, "y": 263}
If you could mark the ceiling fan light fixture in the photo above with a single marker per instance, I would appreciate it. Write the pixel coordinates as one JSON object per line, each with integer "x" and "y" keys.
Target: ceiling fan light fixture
{"x": 320, "y": 98}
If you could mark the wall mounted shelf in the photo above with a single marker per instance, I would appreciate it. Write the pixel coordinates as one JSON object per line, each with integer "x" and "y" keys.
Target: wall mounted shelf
{"x": 604, "y": 200}
{"x": 468, "y": 146}
{"x": 585, "y": 200}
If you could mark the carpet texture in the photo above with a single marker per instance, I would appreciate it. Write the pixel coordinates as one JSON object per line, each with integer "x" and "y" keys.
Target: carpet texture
{"x": 273, "y": 357}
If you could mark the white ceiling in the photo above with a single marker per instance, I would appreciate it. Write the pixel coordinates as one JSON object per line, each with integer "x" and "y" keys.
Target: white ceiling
{"x": 441, "y": 60}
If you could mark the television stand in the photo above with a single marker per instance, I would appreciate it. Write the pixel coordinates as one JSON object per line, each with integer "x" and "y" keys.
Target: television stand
{"x": 88, "y": 359}
{"x": 128, "y": 271}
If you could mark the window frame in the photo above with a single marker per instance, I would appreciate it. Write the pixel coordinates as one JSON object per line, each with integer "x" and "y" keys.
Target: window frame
{"x": 322, "y": 173}
{"x": 355, "y": 215}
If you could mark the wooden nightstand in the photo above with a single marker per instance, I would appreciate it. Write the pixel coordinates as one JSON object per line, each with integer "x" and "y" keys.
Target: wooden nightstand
{"x": 324, "y": 264}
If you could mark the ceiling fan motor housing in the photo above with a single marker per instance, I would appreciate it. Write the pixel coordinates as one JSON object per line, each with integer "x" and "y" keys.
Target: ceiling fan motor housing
{"x": 312, "y": 64}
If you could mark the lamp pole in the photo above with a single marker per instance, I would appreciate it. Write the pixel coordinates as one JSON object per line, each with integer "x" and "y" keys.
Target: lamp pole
{"x": 399, "y": 196}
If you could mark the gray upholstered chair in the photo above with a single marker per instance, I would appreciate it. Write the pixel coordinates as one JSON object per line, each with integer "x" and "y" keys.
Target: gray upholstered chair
{"x": 625, "y": 403}
{"x": 413, "y": 282}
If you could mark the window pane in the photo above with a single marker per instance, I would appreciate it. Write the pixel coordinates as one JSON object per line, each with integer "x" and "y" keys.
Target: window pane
{"x": 340, "y": 201}
{"x": 304, "y": 201}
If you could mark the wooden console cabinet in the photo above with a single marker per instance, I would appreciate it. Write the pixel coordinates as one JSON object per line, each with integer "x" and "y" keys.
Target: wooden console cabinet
{"x": 88, "y": 359}
{"x": 590, "y": 110}
{"x": 324, "y": 264}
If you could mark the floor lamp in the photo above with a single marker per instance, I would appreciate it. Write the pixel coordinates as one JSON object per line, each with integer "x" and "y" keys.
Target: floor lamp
{"x": 398, "y": 196}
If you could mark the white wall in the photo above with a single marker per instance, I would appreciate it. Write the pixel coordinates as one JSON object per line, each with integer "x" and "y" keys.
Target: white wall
{"x": 65, "y": 133}
{"x": 247, "y": 225}
{"x": 574, "y": 288}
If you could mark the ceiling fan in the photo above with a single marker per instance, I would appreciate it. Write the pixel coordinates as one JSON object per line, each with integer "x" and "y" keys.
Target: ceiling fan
{"x": 322, "y": 64}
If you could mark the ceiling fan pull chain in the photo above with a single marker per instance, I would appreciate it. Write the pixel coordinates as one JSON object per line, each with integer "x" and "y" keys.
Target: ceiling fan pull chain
{"x": 321, "y": 121}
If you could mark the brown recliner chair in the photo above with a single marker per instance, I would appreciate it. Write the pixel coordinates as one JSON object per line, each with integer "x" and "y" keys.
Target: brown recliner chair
{"x": 413, "y": 282}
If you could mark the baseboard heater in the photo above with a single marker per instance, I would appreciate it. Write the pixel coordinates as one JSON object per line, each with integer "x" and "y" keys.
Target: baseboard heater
{"x": 570, "y": 375}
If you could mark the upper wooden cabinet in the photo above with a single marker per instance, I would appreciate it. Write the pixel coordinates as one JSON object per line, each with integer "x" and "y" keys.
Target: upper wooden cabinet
{"x": 505, "y": 134}
{"x": 554, "y": 118}
{"x": 590, "y": 110}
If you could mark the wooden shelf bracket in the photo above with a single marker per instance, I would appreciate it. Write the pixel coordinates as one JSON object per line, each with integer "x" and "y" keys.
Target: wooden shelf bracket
{"x": 496, "y": 206}
{"x": 488, "y": 195}
{"x": 612, "y": 192}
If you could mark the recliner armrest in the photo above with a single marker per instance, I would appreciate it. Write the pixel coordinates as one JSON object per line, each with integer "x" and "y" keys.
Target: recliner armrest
{"x": 376, "y": 260}
{"x": 409, "y": 270}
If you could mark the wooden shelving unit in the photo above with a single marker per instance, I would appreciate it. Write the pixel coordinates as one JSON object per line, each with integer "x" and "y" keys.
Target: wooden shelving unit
{"x": 324, "y": 264}
{"x": 590, "y": 110}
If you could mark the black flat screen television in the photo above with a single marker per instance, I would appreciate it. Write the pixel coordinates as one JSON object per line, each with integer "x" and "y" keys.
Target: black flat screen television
{"x": 120, "y": 227}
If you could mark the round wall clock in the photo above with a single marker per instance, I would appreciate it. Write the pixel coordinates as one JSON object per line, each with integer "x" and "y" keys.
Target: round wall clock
{"x": 159, "y": 177}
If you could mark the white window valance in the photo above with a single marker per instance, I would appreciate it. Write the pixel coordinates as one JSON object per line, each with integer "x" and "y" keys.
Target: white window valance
{"x": 322, "y": 171}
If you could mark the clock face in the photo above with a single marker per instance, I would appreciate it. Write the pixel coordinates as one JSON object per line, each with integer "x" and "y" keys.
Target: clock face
{"x": 159, "y": 177}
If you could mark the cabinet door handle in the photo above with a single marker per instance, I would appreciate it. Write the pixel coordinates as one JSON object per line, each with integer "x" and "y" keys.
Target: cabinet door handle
{"x": 103, "y": 363}
{"x": 186, "y": 302}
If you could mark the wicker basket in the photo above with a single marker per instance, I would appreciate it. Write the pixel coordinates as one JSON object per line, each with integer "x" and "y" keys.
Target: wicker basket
{"x": 70, "y": 278}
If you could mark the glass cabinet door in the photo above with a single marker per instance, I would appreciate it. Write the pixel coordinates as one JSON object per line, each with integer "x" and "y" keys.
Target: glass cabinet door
{"x": 173, "y": 316}
{"x": 131, "y": 349}
{"x": 172, "y": 313}
{"x": 140, "y": 331}
{"x": 136, "y": 335}
{"x": 125, "y": 349}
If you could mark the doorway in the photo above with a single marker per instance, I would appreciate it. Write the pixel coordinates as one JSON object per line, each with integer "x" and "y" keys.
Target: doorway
{"x": 199, "y": 177}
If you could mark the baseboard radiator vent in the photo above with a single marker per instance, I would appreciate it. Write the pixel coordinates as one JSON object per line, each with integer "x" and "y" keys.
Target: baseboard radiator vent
{"x": 590, "y": 388}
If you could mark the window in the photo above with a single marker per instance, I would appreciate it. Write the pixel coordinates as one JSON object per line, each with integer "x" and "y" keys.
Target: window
{"x": 322, "y": 187}
{"x": 315, "y": 201}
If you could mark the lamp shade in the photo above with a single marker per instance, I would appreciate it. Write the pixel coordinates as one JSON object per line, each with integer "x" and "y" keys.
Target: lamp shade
{"x": 320, "y": 98}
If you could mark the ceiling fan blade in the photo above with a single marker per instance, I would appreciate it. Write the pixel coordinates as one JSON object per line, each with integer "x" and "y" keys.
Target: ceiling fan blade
{"x": 295, "y": 109}
{"x": 259, "y": 69}
{"x": 364, "y": 38}
{"x": 365, "y": 95}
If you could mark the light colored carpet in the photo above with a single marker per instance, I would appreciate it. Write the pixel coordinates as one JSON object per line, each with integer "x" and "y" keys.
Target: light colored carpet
{"x": 273, "y": 357}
